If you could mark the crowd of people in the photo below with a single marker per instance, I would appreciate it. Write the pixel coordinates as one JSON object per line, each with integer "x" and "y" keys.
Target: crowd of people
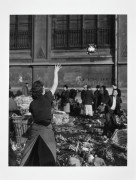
{"x": 91, "y": 103}
{"x": 40, "y": 149}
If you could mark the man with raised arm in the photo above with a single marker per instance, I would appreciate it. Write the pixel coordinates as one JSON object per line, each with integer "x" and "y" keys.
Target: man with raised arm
{"x": 40, "y": 149}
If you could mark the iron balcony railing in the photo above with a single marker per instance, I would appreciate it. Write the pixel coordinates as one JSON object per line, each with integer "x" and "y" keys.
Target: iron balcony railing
{"x": 81, "y": 38}
{"x": 20, "y": 40}
{"x": 64, "y": 39}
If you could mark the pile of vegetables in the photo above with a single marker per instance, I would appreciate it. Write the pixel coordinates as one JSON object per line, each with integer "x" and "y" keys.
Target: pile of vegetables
{"x": 82, "y": 145}
{"x": 23, "y": 103}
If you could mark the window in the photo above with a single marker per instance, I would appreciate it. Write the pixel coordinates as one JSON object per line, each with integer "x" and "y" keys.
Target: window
{"x": 77, "y": 31}
{"x": 20, "y": 32}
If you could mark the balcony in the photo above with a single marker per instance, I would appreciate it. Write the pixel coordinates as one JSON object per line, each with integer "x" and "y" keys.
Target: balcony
{"x": 69, "y": 39}
{"x": 20, "y": 40}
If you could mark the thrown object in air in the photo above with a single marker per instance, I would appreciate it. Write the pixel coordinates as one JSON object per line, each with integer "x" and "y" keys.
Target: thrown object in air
{"x": 91, "y": 48}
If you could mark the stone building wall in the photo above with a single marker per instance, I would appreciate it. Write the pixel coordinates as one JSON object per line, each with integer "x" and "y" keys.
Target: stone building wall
{"x": 99, "y": 70}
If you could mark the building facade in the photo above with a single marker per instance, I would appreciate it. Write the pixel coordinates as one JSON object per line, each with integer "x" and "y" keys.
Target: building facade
{"x": 37, "y": 42}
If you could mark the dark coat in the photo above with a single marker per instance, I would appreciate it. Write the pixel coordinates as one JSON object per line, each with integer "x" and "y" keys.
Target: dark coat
{"x": 82, "y": 94}
{"x": 88, "y": 98}
{"x": 110, "y": 102}
{"x": 72, "y": 93}
{"x": 119, "y": 92}
{"x": 105, "y": 97}
{"x": 111, "y": 124}
{"x": 97, "y": 99}
{"x": 65, "y": 97}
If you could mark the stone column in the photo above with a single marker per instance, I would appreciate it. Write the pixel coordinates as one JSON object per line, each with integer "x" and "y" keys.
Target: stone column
{"x": 40, "y": 38}
{"x": 42, "y": 49}
{"x": 122, "y": 51}
{"x": 49, "y": 37}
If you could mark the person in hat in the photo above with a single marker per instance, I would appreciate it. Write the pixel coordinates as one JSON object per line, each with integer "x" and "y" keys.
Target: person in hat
{"x": 65, "y": 99}
{"x": 83, "y": 93}
{"x": 111, "y": 110}
{"x": 83, "y": 98}
{"x": 104, "y": 98}
{"x": 88, "y": 101}
{"x": 97, "y": 97}
{"x": 104, "y": 95}
{"x": 114, "y": 86}
{"x": 72, "y": 93}
{"x": 25, "y": 90}
{"x": 72, "y": 97}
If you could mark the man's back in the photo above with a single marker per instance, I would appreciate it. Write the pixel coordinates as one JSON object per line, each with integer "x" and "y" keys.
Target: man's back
{"x": 88, "y": 97}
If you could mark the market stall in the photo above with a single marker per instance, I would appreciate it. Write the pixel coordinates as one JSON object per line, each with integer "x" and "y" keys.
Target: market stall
{"x": 79, "y": 139}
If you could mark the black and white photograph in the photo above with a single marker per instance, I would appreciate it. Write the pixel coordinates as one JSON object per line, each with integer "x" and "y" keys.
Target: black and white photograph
{"x": 67, "y": 85}
{"x": 68, "y": 90}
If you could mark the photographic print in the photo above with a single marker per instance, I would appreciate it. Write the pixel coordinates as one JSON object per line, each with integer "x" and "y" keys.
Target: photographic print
{"x": 67, "y": 90}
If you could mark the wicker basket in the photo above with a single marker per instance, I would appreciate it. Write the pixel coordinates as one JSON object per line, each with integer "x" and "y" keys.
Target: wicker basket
{"x": 119, "y": 138}
{"x": 20, "y": 127}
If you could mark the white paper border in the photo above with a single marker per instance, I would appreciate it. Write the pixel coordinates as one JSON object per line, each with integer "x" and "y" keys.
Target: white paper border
{"x": 66, "y": 7}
